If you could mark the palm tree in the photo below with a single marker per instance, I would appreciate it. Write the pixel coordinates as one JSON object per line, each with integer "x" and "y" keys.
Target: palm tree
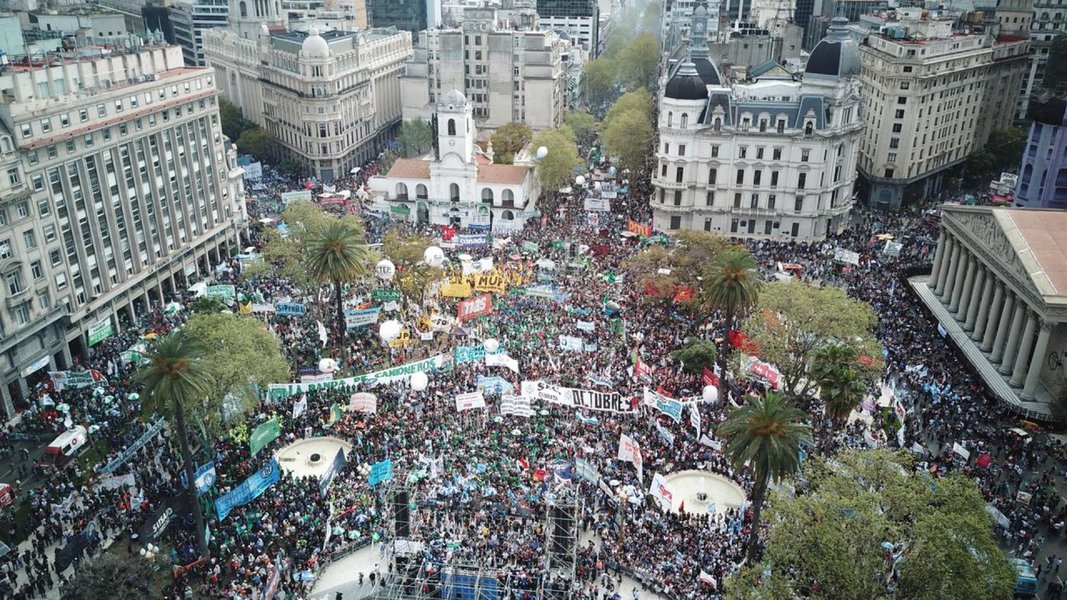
{"x": 175, "y": 378}
{"x": 732, "y": 287}
{"x": 766, "y": 435}
{"x": 337, "y": 254}
{"x": 841, "y": 387}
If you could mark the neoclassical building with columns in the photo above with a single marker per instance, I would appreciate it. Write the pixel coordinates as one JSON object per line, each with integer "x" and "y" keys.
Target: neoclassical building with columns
{"x": 999, "y": 290}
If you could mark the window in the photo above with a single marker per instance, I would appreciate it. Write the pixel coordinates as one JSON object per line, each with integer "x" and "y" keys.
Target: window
{"x": 46, "y": 125}
{"x": 798, "y": 204}
{"x": 677, "y": 197}
{"x": 733, "y": 225}
{"x": 710, "y": 201}
{"x": 776, "y": 154}
{"x": 21, "y": 313}
{"x": 891, "y": 157}
{"x": 676, "y": 222}
{"x": 740, "y": 176}
{"x": 897, "y": 127}
{"x": 771, "y": 202}
{"x": 13, "y": 176}
{"x": 713, "y": 175}
{"x": 29, "y": 239}
{"x": 36, "y": 270}
{"x": 743, "y": 151}
{"x": 685, "y": 120}
{"x": 767, "y": 227}
{"x": 802, "y": 179}
{"x": 774, "y": 178}
{"x": 679, "y": 174}
{"x": 899, "y": 113}
{"x": 101, "y": 110}
{"x": 44, "y": 299}
{"x": 61, "y": 281}
{"x": 753, "y": 202}
{"x": 804, "y": 155}
{"x": 905, "y": 85}
{"x": 902, "y": 100}
{"x": 681, "y": 149}
{"x": 83, "y": 115}
{"x": 889, "y": 173}
{"x": 715, "y": 152}
{"x": 756, "y": 177}
{"x": 49, "y": 233}
{"x": 22, "y": 209}
{"x": 3, "y": 216}
{"x": 55, "y": 257}
{"x": 759, "y": 152}
{"x": 663, "y": 170}
{"x": 451, "y": 127}
{"x": 5, "y": 249}
{"x": 14, "y": 283}
{"x": 737, "y": 200}
{"x": 894, "y": 143}
{"x": 666, "y": 148}
{"x": 27, "y": 131}
{"x": 795, "y": 230}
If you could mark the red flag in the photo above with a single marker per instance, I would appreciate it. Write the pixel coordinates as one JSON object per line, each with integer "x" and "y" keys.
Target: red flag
{"x": 448, "y": 232}
{"x": 866, "y": 360}
{"x": 740, "y": 341}
{"x": 709, "y": 378}
{"x": 683, "y": 294}
{"x": 525, "y": 464}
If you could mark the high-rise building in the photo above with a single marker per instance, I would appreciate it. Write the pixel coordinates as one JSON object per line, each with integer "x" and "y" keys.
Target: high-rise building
{"x": 508, "y": 71}
{"x": 330, "y": 99}
{"x": 579, "y": 20}
{"x": 190, "y": 19}
{"x": 408, "y": 15}
{"x": 1043, "y": 172}
{"x": 118, "y": 190}
{"x": 931, "y": 97}
{"x": 766, "y": 156}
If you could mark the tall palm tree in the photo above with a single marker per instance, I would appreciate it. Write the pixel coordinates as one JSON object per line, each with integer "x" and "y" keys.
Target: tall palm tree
{"x": 731, "y": 286}
{"x": 175, "y": 378}
{"x": 337, "y": 254}
{"x": 766, "y": 435}
{"x": 841, "y": 387}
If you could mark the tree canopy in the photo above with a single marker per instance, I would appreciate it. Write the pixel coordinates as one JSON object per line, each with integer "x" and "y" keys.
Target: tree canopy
{"x": 557, "y": 167}
{"x": 696, "y": 355}
{"x": 598, "y": 81}
{"x": 640, "y": 61}
{"x": 663, "y": 270}
{"x": 304, "y": 220}
{"x": 639, "y": 100}
{"x": 416, "y": 137}
{"x": 258, "y": 142}
{"x": 866, "y": 515}
{"x": 508, "y": 141}
{"x": 110, "y": 576}
{"x": 629, "y": 135}
{"x": 793, "y": 320}
{"x": 584, "y": 125}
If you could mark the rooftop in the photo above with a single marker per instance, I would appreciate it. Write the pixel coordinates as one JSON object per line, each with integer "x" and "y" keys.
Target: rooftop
{"x": 410, "y": 168}
{"x": 1040, "y": 245}
{"x": 506, "y": 174}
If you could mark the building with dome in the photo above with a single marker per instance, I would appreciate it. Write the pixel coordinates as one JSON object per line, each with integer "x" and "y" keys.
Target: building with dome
{"x": 458, "y": 184}
{"x": 761, "y": 155}
{"x": 331, "y": 99}
{"x": 931, "y": 97}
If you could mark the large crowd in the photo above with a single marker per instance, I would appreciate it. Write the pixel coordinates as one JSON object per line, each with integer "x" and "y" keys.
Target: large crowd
{"x": 481, "y": 482}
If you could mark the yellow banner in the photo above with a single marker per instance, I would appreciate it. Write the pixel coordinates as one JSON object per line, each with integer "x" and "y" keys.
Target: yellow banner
{"x": 492, "y": 281}
{"x": 404, "y": 339}
{"x": 245, "y": 309}
{"x": 456, "y": 286}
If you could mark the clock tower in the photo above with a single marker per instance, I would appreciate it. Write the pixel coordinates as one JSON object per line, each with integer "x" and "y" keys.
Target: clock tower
{"x": 455, "y": 128}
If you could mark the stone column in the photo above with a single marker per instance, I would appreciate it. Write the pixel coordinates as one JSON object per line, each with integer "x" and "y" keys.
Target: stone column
{"x": 993, "y": 318}
{"x": 961, "y": 281}
{"x": 1033, "y": 375}
{"x": 939, "y": 257}
{"x": 1011, "y": 348}
{"x": 980, "y": 308}
{"x": 969, "y": 284}
{"x": 6, "y": 403}
{"x": 1003, "y": 325}
{"x": 1023, "y": 356}
{"x": 944, "y": 281}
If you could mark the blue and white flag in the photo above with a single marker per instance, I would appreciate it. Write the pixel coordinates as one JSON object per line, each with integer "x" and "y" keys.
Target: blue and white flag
{"x": 249, "y": 490}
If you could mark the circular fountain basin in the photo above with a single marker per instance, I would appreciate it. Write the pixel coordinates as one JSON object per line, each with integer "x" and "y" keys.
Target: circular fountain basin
{"x": 311, "y": 456}
{"x": 698, "y": 491}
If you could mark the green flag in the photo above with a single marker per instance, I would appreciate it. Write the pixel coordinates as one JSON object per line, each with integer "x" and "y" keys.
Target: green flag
{"x": 336, "y": 414}
{"x": 264, "y": 434}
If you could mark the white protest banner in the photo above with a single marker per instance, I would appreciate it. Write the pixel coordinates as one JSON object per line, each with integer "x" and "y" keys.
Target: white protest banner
{"x": 667, "y": 436}
{"x": 710, "y": 443}
{"x": 588, "y": 326}
{"x": 514, "y": 404}
{"x": 964, "y": 453}
{"x": 363, "y": 402}
{"x": 586, "y": 470}
{"x": 112, "y": 482}
{"x": 316, "y": 377}
{"x": 630, "y": 450}
{"x": 694, "y": 418}
{"x": 846, "y": 256}
{"x": 597, "y": 204}
{"x": 469, "y": 401}
{"x": 502, "y": 360}
{"x": 571, "y": 343}
{"x": 588, "y": 399}
{"x": 300, "y": 407}
{"x": 662, "y": 491}
{"x": 668, "y": 406}
{"x": 277, "y": 391}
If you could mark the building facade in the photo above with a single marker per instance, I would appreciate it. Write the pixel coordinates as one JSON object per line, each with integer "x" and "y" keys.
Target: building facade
{"x": 190, "y": 19}
{"x": 458, "y": 185}
{"x": 509, "y": 72}
{"x": 118, "y": 191}
{"x": 767, "y": 157}
{"x": 330, "y": 99}
{"x": 998, "y": 289}
{"x": 1043, "y": 173}
{"x": 579, "y": 20}
{"x": 931, "y": 97}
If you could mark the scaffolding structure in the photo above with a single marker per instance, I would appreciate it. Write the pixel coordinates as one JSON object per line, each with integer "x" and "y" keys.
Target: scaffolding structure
{"x": 561, "y": 530}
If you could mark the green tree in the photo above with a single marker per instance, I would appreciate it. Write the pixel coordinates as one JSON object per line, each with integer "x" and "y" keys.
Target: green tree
{"x": 731, "y": 286}
{"x": 240, "y": 355}
{"x": 663, "y": 270}
{"x": 640, "y": 61}
{"x": 696, "y": 355}
{"x": 204, "y": 304}
{"x": 233, "y": 122}
{"x": 508, "y": 141}
{"x": 826, "y": 542}
{"x": 416, "y": 137}
{"x": 766, "y": 435}
{"x": 337, "y": 254}
{"x": 406, "y": 250}
{"x": 304, "y": 220}
{"x": 177, "y": 379}
{"x": 110, "y": 576}
{"x": 794, "y": 320}
{"x": 584, "y": 125}
{"x": 258, "y": 142}
{"x": 598, "y": 81}
{"x": 557, "y": 167}
{"x": 842, "y": 383}
{"x": 639, "y": 100}
{"x": 629, "y": 136}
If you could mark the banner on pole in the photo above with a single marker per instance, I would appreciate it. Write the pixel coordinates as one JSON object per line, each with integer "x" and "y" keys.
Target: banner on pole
{"x": 332, "y": 471}
{"x": 363, "y": 402}
{"x": 475, "y": 307}
{"x": 515, "y": 404}
{"x": 380, "y": 471}
{"x": 662, "y": 491}
{"x": 578, "y": 398}
{"x": 279, "y": 391}
{"x": 668, "y": 406}
{"x": 248, "y": 491}
{"x": 469, "y": 401}
{"x": 264, "y": 434}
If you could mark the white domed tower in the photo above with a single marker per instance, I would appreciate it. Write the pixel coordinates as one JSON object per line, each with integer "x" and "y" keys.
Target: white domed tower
{"x": 250, "y": 19}
{"x": 455, "y": 127}
{"x": 314, "y": 46}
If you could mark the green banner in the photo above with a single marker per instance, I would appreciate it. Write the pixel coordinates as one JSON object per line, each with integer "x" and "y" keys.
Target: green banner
{"x": 384, "y": 295}
{"x": 264, "y": 434}
{"x": 101, "y": 331}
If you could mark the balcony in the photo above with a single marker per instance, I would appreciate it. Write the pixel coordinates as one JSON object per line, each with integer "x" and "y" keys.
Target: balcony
{"x": 749, "y": 211}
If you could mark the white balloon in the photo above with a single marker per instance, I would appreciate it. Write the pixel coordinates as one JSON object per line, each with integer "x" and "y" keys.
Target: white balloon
{"x": 580, "y": 180}
{"x": 710, "y": 394}
{"x": 541, "y": 152}
{"x": 419, "y": 381}
{"x": 596, "y": 185}
{"x": 491, "y": 345}
{"x": 389, "y": 330}
{"x": 327, "y": 365}
{"x": 143, "y": 551}
{"x": 385, "y": 269}
{"x": 434, "y": 256}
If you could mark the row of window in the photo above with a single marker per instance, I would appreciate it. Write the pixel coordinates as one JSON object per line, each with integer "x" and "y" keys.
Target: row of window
{"x": 740, "y": 226}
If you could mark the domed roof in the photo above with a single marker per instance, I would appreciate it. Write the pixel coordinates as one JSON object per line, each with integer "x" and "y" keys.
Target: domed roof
{"x": 314, "y": 46}
{"x": 686, "y": 84}
{"x": 454, "y": 98}
{"x": 707, "y": 70}
{"x": 837, "y": 55}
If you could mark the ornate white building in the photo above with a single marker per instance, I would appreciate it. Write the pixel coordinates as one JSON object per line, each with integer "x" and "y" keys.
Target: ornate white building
{"x": 331, "y": 99}
{"x": 767, "y": 157}
{"x": 458, "y": 184}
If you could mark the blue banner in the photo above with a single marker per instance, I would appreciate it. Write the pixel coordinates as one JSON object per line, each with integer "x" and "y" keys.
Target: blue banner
{"x": 469, "y": 240}
{"x": 468, "y": 354}
{"x": 287, "y": 309}
{"x": 667, "y": 436}
{"x": 355, "y": 319}
{"x": 248, "y": 491}
{"x": 380, "y": 471}
{"x": 204, "y": 477}
{"x": 494, "y": 385}
{"x": 335, "y": 468}
{"x": 670, "y": 407}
